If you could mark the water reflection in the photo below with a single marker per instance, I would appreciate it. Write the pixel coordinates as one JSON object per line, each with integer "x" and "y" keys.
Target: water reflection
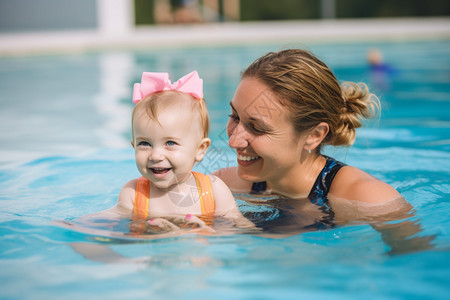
{"x": 115, "y": 76}
{"x": 275, "y": 218}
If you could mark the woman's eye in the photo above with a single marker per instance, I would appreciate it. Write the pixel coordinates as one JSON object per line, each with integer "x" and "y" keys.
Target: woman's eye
{"x": 256, "y": 130}
{"x": 233, "y": 117}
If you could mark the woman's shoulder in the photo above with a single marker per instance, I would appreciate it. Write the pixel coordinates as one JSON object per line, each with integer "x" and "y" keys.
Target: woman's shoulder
{"x": 355, "y": 185}
{"x": 231, "y": 178}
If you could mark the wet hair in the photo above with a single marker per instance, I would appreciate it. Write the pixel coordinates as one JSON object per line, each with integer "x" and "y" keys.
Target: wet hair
{"x": 310, "y": 92}
{"x": 156, "y": 102}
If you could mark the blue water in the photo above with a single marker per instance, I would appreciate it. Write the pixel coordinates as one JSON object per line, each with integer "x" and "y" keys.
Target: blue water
{"x": 65, "y": 152}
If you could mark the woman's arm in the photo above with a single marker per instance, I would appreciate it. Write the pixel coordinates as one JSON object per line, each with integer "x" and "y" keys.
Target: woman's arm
{"x": 371, "y": 201}
{"x": 403, "y": 237}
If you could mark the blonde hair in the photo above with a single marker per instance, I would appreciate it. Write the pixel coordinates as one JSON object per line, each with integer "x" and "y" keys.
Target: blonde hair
{"x": 311, "y": 93}
{"x": 154, "y": 103}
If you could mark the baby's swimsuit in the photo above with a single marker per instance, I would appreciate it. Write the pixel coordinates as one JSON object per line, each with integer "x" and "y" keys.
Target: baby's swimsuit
{"x": 319, "y": 192}
{"x": 142, "y": 197}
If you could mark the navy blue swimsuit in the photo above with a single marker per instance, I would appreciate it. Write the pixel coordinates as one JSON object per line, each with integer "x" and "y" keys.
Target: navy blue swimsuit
{"x": 319, "y": 192}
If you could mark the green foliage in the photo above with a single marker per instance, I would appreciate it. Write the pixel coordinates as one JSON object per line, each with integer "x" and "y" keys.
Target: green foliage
{"x": 391, "y": 8}
{"x": 254, "y": 10}
{"x": 261, "y": 10}
{"x": 143, "y": 12}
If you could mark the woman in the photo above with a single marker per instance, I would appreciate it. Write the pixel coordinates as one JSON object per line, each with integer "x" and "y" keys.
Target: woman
{"x": 287, "y": 106}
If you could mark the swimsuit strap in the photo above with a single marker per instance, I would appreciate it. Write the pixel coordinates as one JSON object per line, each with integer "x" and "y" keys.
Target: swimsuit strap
{"x": 320, "y": 189}
{"x": 322, "y": 185}
{"x": 142, "y": 195}
{"x": 141, "y": 199}
{"x": 206, "y": 197}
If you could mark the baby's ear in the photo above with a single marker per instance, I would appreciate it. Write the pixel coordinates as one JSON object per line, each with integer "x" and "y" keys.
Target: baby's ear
{"x": 202, "y": 148}
{"x": 132, "y": 143}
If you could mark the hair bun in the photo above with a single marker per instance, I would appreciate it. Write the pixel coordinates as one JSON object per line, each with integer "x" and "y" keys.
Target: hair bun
{"x": 358, "y": 104}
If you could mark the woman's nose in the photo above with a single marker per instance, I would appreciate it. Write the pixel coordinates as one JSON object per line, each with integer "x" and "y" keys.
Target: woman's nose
{"x": 238, "y": 136}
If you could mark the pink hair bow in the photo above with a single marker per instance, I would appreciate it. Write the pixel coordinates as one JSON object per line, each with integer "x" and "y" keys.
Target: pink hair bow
{"x": 157, "y": 82}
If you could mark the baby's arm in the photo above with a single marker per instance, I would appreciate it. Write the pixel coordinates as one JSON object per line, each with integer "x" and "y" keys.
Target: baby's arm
{"x": 123, "y": 208}
{"x": 226, "y": 205}
{"x": 125, "y": 204}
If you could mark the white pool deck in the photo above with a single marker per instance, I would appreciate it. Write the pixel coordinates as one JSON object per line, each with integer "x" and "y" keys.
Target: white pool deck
{"x": 212, "y": 34}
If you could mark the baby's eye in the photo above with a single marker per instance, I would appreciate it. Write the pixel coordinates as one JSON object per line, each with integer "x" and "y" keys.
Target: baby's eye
{"x": 171, "y": 143}
{"x": 144, "y": 144}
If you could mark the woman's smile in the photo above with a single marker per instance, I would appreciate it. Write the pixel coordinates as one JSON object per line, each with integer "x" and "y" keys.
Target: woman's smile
{"x": 247, "y": 158}
{"x": 245, "y": 161}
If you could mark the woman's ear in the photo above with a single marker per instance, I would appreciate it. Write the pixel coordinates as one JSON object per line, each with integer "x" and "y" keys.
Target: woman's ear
{"x": 202, "y": 148}
{"x": 316, "y": 136}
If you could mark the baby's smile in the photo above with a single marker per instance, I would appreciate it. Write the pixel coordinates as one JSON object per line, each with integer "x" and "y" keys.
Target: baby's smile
{"x": 160, "y": 171}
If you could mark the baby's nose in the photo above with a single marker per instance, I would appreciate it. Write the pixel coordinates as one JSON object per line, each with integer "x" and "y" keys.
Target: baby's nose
{"x": 156, "y": 154}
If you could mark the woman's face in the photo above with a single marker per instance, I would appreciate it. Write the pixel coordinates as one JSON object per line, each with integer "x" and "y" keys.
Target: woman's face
{"x": 260, "y": 131}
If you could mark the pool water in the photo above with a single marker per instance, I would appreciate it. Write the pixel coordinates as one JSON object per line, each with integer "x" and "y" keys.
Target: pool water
{"x": 65, "y": 153}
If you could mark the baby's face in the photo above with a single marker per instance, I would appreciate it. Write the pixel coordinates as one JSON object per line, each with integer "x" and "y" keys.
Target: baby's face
{"x": 166, "y": 152}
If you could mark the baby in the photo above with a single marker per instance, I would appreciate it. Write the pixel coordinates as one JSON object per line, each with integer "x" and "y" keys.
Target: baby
{"x": 170, "y": 134}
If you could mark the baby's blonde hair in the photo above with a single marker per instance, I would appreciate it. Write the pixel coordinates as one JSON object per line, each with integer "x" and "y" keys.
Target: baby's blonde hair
{"x": 156, "y": 102}
{"x": 311, "y": 93}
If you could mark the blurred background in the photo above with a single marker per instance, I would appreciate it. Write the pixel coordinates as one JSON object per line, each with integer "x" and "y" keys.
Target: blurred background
{"x": 26, "y": 15}
{"x": 81, "y": 24}
{"x": 67, "y": 66}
